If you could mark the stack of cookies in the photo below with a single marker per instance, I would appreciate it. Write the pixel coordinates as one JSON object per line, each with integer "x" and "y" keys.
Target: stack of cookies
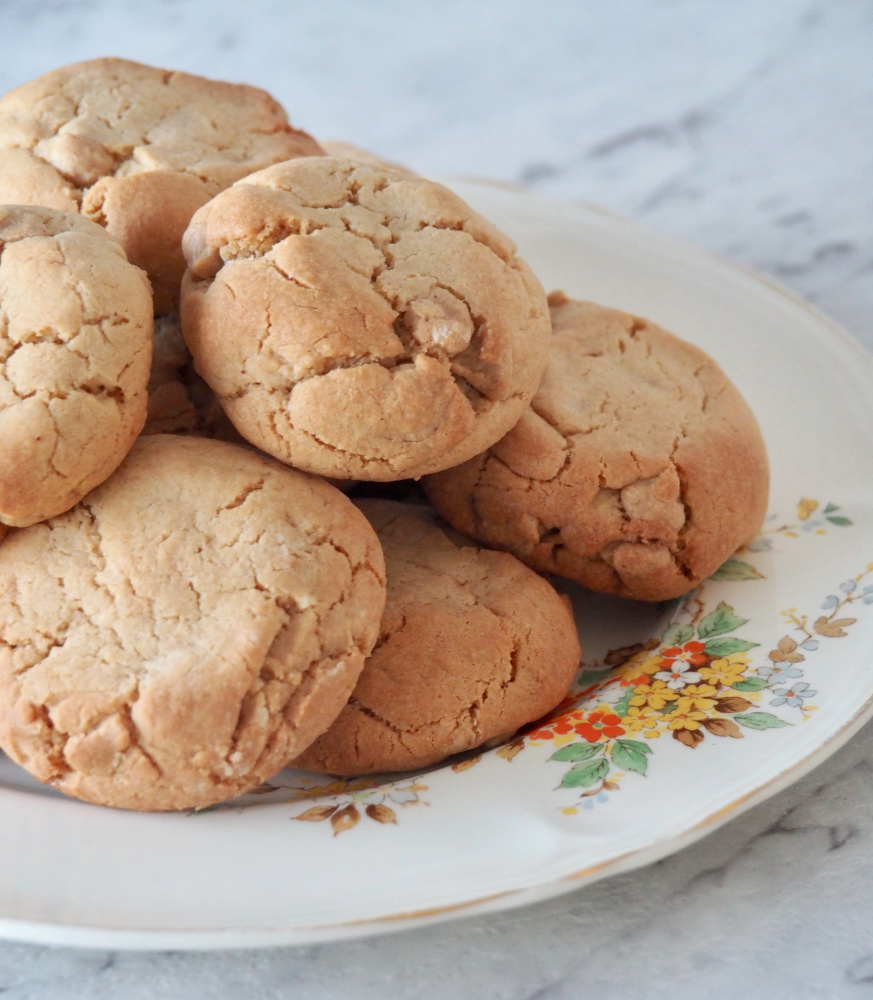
{"x": 213, "y": 334}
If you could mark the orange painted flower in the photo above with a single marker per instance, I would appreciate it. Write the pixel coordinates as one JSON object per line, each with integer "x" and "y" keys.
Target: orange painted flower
{"x": 541, "y": 734}
{"x": 692, "y": 653}
{"x": 601, "y": 723}
{"x": 558, "y": 724}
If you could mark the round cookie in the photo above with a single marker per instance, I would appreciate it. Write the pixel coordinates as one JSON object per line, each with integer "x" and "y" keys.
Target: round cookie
{"x": 139, "y": 150}
{"x": 358, "y": 322}
{"x": 75, "y": 350}
{"x": 180, "y": 402}
{"x": 473, "y": 645}
{"x": 187, "y": 629}
{"x": 637, "y": 470}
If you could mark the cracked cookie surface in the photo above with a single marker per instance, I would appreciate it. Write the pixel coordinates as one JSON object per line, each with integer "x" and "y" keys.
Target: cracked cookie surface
{"x": 359, "y": 322}
{"x": 473, "y": 645}
{"x": 188, "y": 628}
{"x": 637, "y": 470}
{"x": 75, "y": 350}
{"x": 139, "y": 150}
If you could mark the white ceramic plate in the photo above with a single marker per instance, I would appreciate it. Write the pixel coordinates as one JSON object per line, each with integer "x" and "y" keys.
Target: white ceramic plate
{"x": 773, "y": 670}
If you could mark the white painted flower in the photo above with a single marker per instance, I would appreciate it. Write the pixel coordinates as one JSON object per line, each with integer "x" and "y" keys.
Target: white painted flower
{"x": 678, "y": 675}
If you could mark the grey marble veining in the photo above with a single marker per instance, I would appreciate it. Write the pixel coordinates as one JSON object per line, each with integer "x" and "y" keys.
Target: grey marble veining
{"x": 745, "y": 128}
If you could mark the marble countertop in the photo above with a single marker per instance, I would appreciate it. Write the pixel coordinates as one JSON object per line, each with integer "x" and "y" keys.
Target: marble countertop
{"x": 743, "y": 128}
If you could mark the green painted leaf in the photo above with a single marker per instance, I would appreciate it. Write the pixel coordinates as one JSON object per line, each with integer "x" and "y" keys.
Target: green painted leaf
{"x": 671, "y": 706}
{"x": 716, "y": 648}
{"x": 760, "y": 720}
{"x": 719, "y": 621}
{"x": 750, "y": 684}
{"x": 620, "y": 707}
{"x": 590, "y": 677}
{"x": 635, "y": 745}
{"x": 677, "y": 635}
{"x": 577, "y": 751}
{"x": 838, "y": 519}
{"x": 831, "y": 507}
{"x": 736, "y": 569}
{"x": 628, "y": 758}
{"x": 587, "y": 774}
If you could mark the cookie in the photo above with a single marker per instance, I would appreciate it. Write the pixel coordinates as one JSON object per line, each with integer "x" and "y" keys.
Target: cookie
{"x": 473, "y": 645}
{"x": 360, "y": 323}
{"x": 180, "y": 402}
{"x": 75, "y": 346}
{"x": 139, "y": 150}
{"x": 637, "y": 470}
{"x": 187, "y": 629}
{"x": 346, "y": 151}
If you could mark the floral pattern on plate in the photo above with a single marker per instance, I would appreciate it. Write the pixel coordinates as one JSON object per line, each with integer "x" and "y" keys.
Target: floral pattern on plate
{"x": 702, "y": 677}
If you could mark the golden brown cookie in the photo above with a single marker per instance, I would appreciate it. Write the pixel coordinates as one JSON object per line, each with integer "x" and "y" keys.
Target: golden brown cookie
{"x": 180, "y": 402}
{"x": 187, "y": 629}
{"x": 358, "y": 322}
{"x": 75, "y": 348}
{"x": 139, "y": 150}
{"x": 637, "y": 470}
{"x": 473, "y": 645}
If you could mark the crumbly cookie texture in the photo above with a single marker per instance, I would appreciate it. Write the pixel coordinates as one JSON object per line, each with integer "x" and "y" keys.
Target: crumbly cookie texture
{"x": 187, "y": 629}
{"x": 637, "y": 470}
{"x": 359, "y": 322}
{"x": 75, "y": 350}
{"x": 139, "y": 150}
{"x": 180, "y": 402}
{"x": 473, "y": 645}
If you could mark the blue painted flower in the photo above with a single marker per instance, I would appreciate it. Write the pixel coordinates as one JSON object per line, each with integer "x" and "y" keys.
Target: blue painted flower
{"x": 868, "y": 594}
{"x": 811, "y": 525}
{"x": 794, "y": 696}
{"x": 591, "y": 799}
{"x": 831, "y": 601}
{"x": 778, "y": 673}
{"x": 848, "y": 586}
{"x": 809, "y": 645}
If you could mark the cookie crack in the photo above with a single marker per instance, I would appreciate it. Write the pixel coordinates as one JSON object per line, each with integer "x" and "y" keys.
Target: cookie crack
{"x": 398, "y": 731}
{"x": 378, "y": 462}
{"x": 263, "y": 243}
{"x": 242, "y": 496}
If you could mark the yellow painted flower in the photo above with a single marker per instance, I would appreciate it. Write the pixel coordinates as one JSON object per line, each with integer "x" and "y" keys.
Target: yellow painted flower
{"x": 686, "y": 720}
{"x": 640, "y": 664}
{"x": 727, "y": 670}
{"x": 639, "y": 719}
{"x": 654, "y": 695}
{"x": 697, "y": 698}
